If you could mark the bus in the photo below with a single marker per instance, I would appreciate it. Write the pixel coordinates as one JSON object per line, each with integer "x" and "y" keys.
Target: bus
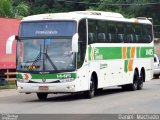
{"x": 82, "y": 52}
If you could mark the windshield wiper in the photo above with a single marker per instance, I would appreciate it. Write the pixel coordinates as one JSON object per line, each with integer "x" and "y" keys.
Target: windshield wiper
{"x": 49, "y": 59}
{"x": 38, "y": 57}
{"x": 45, "y": 56}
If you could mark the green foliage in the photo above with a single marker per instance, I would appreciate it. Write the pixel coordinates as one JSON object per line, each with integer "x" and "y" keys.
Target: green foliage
{"x": 134, "y": 8}
{"x": 9, "y": 9}
{"x": 21, "y": 10}
{"x": 5, "y": 8}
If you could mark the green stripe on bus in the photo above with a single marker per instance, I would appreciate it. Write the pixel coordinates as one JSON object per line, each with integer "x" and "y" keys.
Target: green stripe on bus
{"x": 146, "y": 52}
{"x": 110, "y": 53}
{"x": 126, "y": 65}
{"x": 138, "y": 52}
{"x": 105, "y": 53}
{"x": 49, "y": 76}
{"x": 19, "y": 76}
{"x": 128, "y": 52}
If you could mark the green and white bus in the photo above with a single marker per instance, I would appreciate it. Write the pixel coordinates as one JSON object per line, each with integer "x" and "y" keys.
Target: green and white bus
{"x": 82, "y": 51}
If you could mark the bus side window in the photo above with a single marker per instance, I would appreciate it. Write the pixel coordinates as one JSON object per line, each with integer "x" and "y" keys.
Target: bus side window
{"x": 148, "y": 33}
{"x": 101, "y": 37}
{"x": 108, "y": 37}
{"x": 113, "y": 32}
{"x": 92, "y": 28}
{"x": 91, "y": 37}
{"x": 130, "y": 33}
{"x": 121, "y": 32}
{"x": 137, "y": 33}
{"x": 101, "y": 31}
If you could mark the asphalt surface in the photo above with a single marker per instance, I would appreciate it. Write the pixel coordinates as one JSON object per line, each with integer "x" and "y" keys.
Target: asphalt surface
{"x": 109, "y": 101}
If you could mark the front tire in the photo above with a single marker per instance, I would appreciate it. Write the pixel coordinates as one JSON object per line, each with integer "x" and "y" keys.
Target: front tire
{"x": 90, "y": 93}
{"x": 42, "y": 96}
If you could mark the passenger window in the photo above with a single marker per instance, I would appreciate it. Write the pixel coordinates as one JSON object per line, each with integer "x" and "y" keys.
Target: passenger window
{"x": 137, "y": 33}
{"x": 92, "y": 28}
{"x": 147, "y": 33}
{"x": 101, "y": 37}
{"x": 112, "y": 32}
{"x": 101, "y": 31}
{"x": 121, "y": 32}
{"x": 130, "y": 33}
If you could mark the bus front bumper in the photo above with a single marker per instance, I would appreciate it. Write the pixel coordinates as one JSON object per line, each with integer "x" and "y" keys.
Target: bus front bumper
{"x": 67, "y": 87}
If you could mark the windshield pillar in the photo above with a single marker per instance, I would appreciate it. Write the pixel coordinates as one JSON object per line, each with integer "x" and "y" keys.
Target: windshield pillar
{"x": 82, "y": 43}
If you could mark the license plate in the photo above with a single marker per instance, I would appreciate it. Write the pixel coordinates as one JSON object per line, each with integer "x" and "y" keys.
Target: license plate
{"x": 43, "y": 87}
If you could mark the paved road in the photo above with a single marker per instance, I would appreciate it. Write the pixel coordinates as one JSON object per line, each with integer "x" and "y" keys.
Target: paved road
{"x": 111, "y": 100}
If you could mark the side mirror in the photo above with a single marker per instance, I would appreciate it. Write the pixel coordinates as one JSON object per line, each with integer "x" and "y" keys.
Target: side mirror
{"x": 75, "y": 42}
{"x": 9, "y": 44}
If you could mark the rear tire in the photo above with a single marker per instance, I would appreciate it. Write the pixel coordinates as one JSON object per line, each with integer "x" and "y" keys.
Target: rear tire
{"x": 140, "y": 81}
{"x": 42, "y": 96}
{"x": 90, "y": 93}
{"x": 156, "y": 76}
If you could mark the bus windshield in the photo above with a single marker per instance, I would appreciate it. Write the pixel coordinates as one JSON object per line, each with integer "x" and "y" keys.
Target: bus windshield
{"x": 46, "y": 46}
{"x": 45, "y": 55}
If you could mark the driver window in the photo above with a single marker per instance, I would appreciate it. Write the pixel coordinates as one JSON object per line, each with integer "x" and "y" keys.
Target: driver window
{"x": 81, "y": 42}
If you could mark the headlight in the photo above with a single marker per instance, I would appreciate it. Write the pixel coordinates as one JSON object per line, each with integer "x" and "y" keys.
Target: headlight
{"x": 22, "y": 80}
{"x": 66, "y": 80}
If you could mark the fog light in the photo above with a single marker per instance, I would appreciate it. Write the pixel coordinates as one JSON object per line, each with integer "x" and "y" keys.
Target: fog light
{"x": 20, "y": 87}
{"x": 22, "y": 80}
{"x": 71, "y": 87}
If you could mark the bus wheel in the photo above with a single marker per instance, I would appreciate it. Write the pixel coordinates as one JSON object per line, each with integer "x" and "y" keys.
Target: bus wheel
{"x": 156, "y": 76}
{"x": 90, "y": 93}
{"x": 42, "y": 96}
{"x": 134, "y": 85}
{"x": 140, "y": 81}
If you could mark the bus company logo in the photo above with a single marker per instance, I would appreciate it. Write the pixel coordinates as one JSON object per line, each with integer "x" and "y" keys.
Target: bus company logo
{"x": 43, "y": 80}
{"x": 26, "y": 76}
{"x": 149, "y": 52}
{"x": 96, "y": 50}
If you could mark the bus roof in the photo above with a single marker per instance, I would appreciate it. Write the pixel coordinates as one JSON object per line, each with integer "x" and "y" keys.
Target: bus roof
{"x": 77, "y": 15}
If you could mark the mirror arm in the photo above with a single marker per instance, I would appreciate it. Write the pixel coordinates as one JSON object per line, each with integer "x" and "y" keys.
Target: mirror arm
{"x": 9, "y": 44}
{"x": 75, "y": 42}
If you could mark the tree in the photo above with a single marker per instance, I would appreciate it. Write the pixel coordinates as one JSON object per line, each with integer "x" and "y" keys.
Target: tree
{"x": 11, "y": 10}
{"x": 21, "y": 10}
{"x": 6, "y": 8}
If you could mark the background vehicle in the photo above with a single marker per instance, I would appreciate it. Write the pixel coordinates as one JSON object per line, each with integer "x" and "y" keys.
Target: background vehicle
{"x": 156, "y": 70}
{"x": 82, "y": 52}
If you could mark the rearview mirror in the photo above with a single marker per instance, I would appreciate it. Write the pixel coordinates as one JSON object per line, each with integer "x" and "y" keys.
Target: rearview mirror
{"x": 75, "y": 42}
{"x": 9, "y": 44}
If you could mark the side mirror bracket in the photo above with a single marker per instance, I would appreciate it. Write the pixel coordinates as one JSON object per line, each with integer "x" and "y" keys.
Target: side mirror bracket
{"x": 10, "y": 43}
{"x": 75, "y": 42}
